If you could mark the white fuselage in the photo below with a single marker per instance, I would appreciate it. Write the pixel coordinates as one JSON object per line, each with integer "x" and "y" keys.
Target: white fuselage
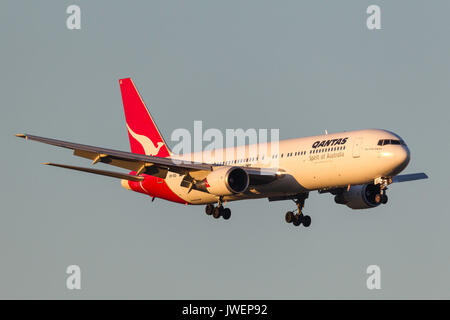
{"x": 310, "y": 163}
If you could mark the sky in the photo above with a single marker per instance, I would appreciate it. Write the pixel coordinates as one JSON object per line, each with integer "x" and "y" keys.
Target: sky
{"x": 302, "y": 67}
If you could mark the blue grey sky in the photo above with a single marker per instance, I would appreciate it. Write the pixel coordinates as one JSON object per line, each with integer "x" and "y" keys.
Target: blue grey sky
{"x": 300, "y": 66}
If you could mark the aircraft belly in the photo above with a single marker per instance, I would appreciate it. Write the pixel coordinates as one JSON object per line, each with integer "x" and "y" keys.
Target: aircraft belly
{"x": 284, "y": 186}
{"x": 192, "y": 196}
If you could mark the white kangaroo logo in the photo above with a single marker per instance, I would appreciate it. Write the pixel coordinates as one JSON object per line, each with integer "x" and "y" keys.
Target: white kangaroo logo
{"x": 146, "y": 143}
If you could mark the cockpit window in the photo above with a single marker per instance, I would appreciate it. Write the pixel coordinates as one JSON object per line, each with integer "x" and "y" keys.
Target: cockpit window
{"x": 383, "y": 142}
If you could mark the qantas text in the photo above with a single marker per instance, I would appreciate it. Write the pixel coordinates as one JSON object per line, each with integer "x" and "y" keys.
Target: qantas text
{"x": 329, "y": 143}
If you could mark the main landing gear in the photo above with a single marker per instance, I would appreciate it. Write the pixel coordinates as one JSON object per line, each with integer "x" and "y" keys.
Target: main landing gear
{"x": 218, "y": 211}
{"x": 298, "y": 218}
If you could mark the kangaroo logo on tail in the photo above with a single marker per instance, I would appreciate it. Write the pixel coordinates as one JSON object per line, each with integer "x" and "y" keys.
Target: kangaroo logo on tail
{"x": 146, "y": 143}
{"x": 149, "y": 141}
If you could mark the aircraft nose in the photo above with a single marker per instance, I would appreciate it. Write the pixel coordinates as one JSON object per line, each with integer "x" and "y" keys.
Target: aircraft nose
{"x": 401, "y": 158}
{"x": 396, "y": 159}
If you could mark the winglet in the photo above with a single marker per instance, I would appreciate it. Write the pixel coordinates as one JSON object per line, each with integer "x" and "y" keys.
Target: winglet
{"x": 20, "y": 135}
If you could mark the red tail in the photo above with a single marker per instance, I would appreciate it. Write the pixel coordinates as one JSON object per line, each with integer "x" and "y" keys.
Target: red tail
{"x": 144, "y": 136}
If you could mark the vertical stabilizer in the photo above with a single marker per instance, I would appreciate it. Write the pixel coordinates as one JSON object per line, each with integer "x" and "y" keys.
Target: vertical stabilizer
{"x": 143, "y": 133}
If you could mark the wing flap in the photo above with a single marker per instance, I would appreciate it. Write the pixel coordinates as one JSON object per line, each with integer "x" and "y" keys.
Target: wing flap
{"x": 132, "y": 165}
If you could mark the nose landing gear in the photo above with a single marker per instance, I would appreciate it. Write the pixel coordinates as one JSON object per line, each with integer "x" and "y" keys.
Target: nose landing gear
{"x": 298, "y": 218}
{"x": 383, "y": 183}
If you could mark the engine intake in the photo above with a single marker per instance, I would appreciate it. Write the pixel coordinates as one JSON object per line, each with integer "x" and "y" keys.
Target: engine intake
{"x": 225, "y": 181}
{"x": 361, "y": 196}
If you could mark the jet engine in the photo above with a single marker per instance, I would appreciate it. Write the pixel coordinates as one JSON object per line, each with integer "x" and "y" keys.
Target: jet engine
{"x": 225, "y": 181}
{"x": 361, "y": 196}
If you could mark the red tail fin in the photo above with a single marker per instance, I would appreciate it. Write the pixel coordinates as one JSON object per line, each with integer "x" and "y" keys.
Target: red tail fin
{"x": 144, "y": 136}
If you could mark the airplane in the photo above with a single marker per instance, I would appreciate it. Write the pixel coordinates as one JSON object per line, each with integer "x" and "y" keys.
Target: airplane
{"x": 355, "y": 166}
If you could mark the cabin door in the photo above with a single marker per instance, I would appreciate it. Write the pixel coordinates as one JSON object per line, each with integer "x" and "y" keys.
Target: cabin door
{"x": 357, "y": 147}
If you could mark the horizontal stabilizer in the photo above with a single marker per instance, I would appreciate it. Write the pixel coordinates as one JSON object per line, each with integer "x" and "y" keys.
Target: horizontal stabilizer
{"x": 409, "y": 177}
{"x": 100, "y": 172}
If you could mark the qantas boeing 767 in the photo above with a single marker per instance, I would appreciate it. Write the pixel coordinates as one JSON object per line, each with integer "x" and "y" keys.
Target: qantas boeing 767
{"x": 355, "y": 166}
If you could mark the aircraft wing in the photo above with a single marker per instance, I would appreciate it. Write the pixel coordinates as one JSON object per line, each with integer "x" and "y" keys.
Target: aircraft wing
{"x": 132, "y": 161}
{"x": 409, "y": 177}
{"x": 155, "y": 166}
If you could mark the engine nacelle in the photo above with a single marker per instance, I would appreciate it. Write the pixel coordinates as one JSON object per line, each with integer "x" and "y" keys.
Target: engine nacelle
{"x": 361, "y": 196}
{"x": 225, "y": 181}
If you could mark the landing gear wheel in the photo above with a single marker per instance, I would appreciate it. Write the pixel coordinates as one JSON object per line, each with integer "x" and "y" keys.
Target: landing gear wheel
{"x": 217, "y": 212}
{"x": 306, "y": 221}
{"x": 289, "y": 217}
{"x": 298, "y": 220}
{"x": 226, "y": 213}
{"x": 384, "y": 199}
{"x": 209, "y": 209}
